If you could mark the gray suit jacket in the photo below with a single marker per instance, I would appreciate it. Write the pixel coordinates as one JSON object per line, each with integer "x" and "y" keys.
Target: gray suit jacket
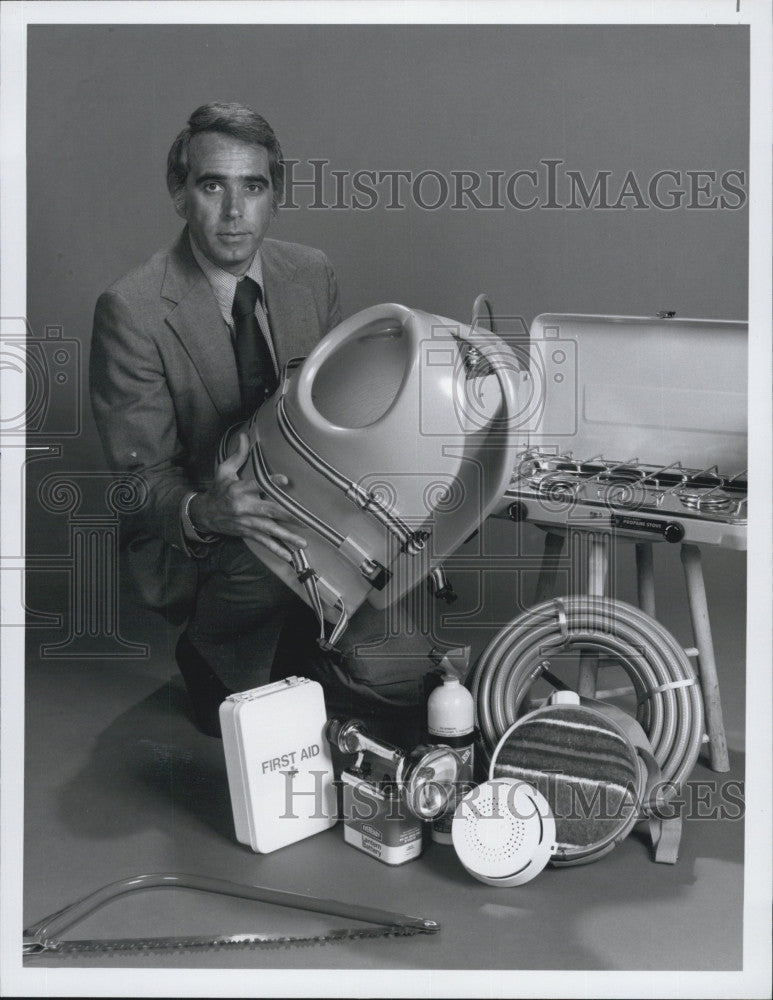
{"x": 164, "y": 388}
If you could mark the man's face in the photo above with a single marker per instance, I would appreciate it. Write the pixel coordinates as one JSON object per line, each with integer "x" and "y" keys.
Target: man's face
{"x": 227, "y": 199}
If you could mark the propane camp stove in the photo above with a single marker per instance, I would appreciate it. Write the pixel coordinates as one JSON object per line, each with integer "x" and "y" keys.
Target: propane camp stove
{"x": 640, "y": 500}
{"x": 673, "y": 392}
{"x": 599, "y": 389}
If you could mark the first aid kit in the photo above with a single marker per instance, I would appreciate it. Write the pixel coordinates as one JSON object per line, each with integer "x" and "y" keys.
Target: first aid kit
{"x": 280, "y": 773}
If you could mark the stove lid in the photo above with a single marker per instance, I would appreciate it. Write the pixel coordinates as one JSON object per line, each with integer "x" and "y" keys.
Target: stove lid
{"x": 660, "y": 390}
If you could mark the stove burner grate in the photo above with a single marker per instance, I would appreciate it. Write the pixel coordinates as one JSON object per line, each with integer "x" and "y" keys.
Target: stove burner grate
{"x": 555, "y": 484}
{"x": 621, "y": 474}
{"x": 562, "y": 481}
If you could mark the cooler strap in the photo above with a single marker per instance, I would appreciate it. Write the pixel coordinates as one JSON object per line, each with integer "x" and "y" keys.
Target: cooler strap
{"x": 309, "y": 578}
{"x": 411, "y": 542}
{"x": 371, "y": 569}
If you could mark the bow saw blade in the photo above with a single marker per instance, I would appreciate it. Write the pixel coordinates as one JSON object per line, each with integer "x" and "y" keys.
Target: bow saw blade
{"x": 230, "y": 941}
{"x": 41, "y": 938}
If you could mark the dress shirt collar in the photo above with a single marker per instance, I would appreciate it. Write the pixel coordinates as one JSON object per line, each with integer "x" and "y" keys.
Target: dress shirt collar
{"x": 224, "y": 283}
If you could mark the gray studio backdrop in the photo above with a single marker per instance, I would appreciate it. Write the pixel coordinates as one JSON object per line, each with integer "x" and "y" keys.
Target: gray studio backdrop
{"x": 104, "y": 103}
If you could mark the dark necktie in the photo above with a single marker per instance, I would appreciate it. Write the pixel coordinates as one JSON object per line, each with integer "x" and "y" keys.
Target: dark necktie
{"x": 253, "y": 358}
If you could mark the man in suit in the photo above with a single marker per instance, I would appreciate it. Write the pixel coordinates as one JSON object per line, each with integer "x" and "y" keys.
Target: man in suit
{"x": 184, "y": 346}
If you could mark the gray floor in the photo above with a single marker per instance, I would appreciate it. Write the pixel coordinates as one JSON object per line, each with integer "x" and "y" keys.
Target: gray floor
{"x": 133, "y": 788}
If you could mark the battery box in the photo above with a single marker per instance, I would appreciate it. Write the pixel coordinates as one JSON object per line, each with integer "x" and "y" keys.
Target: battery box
{"x": 379, "y": 824}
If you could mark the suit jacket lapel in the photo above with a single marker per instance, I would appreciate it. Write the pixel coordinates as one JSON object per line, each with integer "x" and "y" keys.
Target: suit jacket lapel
{"x": 291, "y": 312}
{"x": 197, "y": 322}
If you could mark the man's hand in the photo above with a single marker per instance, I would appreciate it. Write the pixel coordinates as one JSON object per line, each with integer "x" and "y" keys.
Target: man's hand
{"x": 233, "y": 506}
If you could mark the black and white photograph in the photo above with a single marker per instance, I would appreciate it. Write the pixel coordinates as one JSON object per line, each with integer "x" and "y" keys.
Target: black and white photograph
{"x": 386, "y": 499}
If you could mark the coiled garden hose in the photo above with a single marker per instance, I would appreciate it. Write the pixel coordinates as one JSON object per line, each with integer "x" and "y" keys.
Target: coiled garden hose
{"x": 669, "y": 702}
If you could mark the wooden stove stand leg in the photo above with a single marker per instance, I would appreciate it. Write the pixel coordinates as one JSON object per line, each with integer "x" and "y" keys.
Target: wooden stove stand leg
{"x": 598, "y": 560}
{"x": 707, "y": 668}
{"x": 645, "y": 578}
{"x": 546, "y": 582}
{"x": 598, "y": 563}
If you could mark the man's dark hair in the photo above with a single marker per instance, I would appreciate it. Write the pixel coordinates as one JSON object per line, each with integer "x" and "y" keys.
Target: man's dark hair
{"x": 232, "y": 119}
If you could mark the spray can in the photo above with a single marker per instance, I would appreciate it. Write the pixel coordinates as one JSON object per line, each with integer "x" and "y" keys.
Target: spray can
{"x": 451, "y": 720}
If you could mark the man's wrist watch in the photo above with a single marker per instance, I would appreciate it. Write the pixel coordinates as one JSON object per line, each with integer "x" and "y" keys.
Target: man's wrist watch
{"x": 189, "y": 529}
